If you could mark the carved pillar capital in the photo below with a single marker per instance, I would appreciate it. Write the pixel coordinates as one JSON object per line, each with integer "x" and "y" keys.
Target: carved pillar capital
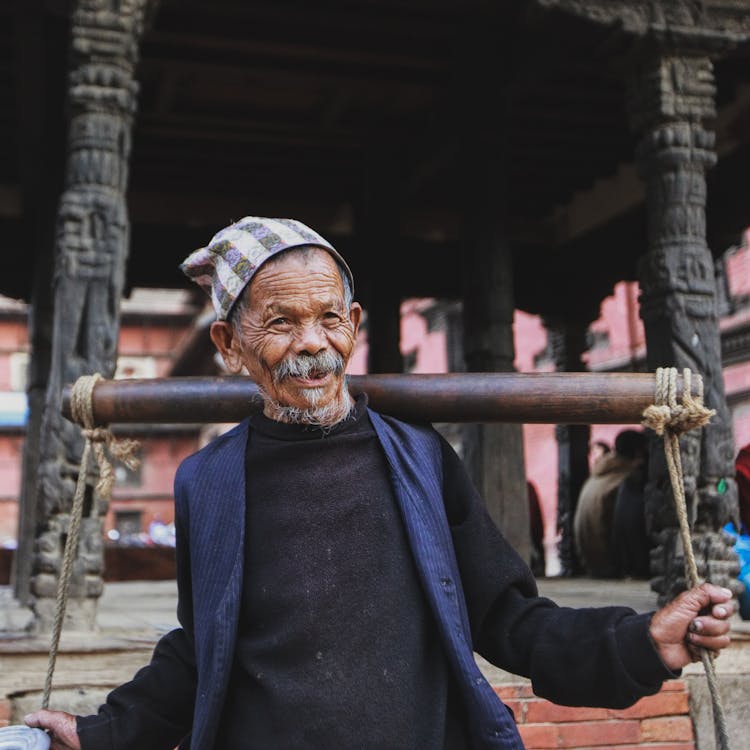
{"x": 664, "y": 87}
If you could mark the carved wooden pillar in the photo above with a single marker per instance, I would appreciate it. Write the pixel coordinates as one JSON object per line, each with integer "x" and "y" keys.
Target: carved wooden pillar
{"x": 671, "y": 96}
{"x": 494, "y": 452}
{"x": 42, "y": 40}
{"x": 567, "y": 340}
{"x": 91, "y": 245}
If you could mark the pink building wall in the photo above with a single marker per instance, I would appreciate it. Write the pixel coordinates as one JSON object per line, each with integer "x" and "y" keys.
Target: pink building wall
{"x": 147, "y": 345}
{"x": 431, "y": 354}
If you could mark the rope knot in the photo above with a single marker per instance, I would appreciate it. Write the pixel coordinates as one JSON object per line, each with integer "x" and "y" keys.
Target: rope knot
{"x": 666, "y": 415}
{"x": 82, "y": 411}
{"x": 97, "y": 434}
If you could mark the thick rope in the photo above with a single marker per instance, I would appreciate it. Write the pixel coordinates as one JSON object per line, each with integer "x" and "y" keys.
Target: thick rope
{"x": 82, "y": 411}
{"x": 670, "y": 419}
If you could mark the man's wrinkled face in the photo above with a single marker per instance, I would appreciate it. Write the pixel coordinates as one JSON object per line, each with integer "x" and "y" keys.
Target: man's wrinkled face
{"x": 297, "y": 335}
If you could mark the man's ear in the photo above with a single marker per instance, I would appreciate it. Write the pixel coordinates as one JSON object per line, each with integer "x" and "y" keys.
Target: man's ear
{"x": 355, "y": 315}
{"x": 225, "y": 341}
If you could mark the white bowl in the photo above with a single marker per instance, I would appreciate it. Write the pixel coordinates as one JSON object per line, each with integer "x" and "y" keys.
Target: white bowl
{"x": 23, "y": 738}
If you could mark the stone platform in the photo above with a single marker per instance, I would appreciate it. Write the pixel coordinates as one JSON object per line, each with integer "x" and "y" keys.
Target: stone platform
{"x": 133, "y": 615}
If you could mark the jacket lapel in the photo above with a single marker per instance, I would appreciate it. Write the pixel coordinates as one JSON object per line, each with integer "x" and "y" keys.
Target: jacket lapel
{"x": 415, "y": 459}
{"x": 217, "y": 565}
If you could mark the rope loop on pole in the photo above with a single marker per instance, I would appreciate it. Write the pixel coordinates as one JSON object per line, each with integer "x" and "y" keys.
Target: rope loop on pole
{"x": 82, "y": 412}
{"x": 96, "y": 438}
{"x": 666, "y": 414}
{"x": 670, "y": 419}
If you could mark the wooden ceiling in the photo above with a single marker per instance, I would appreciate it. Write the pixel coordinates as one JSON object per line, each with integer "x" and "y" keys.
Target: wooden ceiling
{"x": 313, "y": 110}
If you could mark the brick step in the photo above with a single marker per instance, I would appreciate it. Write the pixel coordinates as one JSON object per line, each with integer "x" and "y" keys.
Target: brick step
{"x": 658, "y": 721}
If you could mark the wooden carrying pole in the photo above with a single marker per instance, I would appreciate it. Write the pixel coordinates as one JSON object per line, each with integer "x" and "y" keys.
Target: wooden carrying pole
{"x": 546, "y": 398}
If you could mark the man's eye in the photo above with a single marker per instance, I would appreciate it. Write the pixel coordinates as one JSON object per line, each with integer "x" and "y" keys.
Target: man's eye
{"x": 279, "y": 321}
{"x": 332, "y": 316}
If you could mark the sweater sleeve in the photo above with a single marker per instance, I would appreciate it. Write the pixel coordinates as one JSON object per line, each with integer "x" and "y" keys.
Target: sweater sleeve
{"x": 592, "y": 657}
{"x": 154, "y": 710}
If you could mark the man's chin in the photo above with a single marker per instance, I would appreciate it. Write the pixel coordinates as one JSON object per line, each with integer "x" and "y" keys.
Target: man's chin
{"x": 307, "y": 398}
{"x": 302, "y": 394}
{"x": 322, "y": 406}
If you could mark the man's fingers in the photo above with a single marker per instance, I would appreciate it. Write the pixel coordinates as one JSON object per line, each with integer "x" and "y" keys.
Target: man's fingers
{"x": 60, "y": 725}
{"x": 711, "y": 632}
{"x": 696, "y": 618}
{"x": 709, "y": 626}
{"x": 36, "y": 719}
{"x": 723, "y": 611}
{"x": 705, "y": 595}
{"x": 711, "y": 642}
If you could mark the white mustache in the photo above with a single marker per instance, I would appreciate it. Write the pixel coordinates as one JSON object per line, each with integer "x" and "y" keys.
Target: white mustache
{"x": 305, "y": 365}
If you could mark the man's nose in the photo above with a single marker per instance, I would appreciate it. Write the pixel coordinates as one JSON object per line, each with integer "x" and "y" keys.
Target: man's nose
{"x": 310, "y": 339}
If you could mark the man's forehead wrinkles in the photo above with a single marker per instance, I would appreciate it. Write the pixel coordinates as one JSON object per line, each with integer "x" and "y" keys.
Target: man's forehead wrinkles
{"x": 302, "y": 291}
{"x": 297, "y": 279}
{"x": 295, "y": 303}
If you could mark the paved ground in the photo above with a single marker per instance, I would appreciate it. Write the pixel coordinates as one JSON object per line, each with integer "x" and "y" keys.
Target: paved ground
{"x": 133, "y": 615}
{"x": 139, "y": 607}
{"x": 134, "y": 604}
{"x": 583, "y": 592}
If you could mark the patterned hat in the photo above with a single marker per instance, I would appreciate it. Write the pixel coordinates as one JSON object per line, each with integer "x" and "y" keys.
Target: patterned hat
{"x": 227, "y": 264}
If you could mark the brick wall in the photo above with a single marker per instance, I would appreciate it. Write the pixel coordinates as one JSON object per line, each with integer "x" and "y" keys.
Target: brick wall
{"x": 660, "y": 721}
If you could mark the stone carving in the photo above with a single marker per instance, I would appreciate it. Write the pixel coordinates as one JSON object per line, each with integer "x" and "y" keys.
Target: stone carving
{"x": 90, "y": 254}
{"x": 713, "y": 22}
{"x": 670, "y": 97}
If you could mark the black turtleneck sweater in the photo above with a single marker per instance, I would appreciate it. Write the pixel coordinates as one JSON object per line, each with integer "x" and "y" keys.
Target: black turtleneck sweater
{"x": 336, "y": 645}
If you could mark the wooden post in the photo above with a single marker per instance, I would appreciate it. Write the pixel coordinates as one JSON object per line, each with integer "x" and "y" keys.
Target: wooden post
{"x": 495, "y": 452}
{"x": 671, "y": 95}
{"x": 41, "y": 39}
{"x": 91, "y": 246}
{"x": 568, "y": 342}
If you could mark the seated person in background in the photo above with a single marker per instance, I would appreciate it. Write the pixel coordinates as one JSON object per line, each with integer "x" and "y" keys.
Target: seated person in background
{"x": 592, "y": 524}
{"x": 597, "y": 449}
{"x": 630, "y": 543}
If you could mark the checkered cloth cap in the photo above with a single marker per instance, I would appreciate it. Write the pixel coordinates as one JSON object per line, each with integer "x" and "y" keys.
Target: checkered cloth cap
{"x": 227, "y": 264}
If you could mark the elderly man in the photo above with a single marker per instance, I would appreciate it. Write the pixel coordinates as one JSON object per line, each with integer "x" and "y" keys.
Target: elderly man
{"x": 336, "y": 568}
